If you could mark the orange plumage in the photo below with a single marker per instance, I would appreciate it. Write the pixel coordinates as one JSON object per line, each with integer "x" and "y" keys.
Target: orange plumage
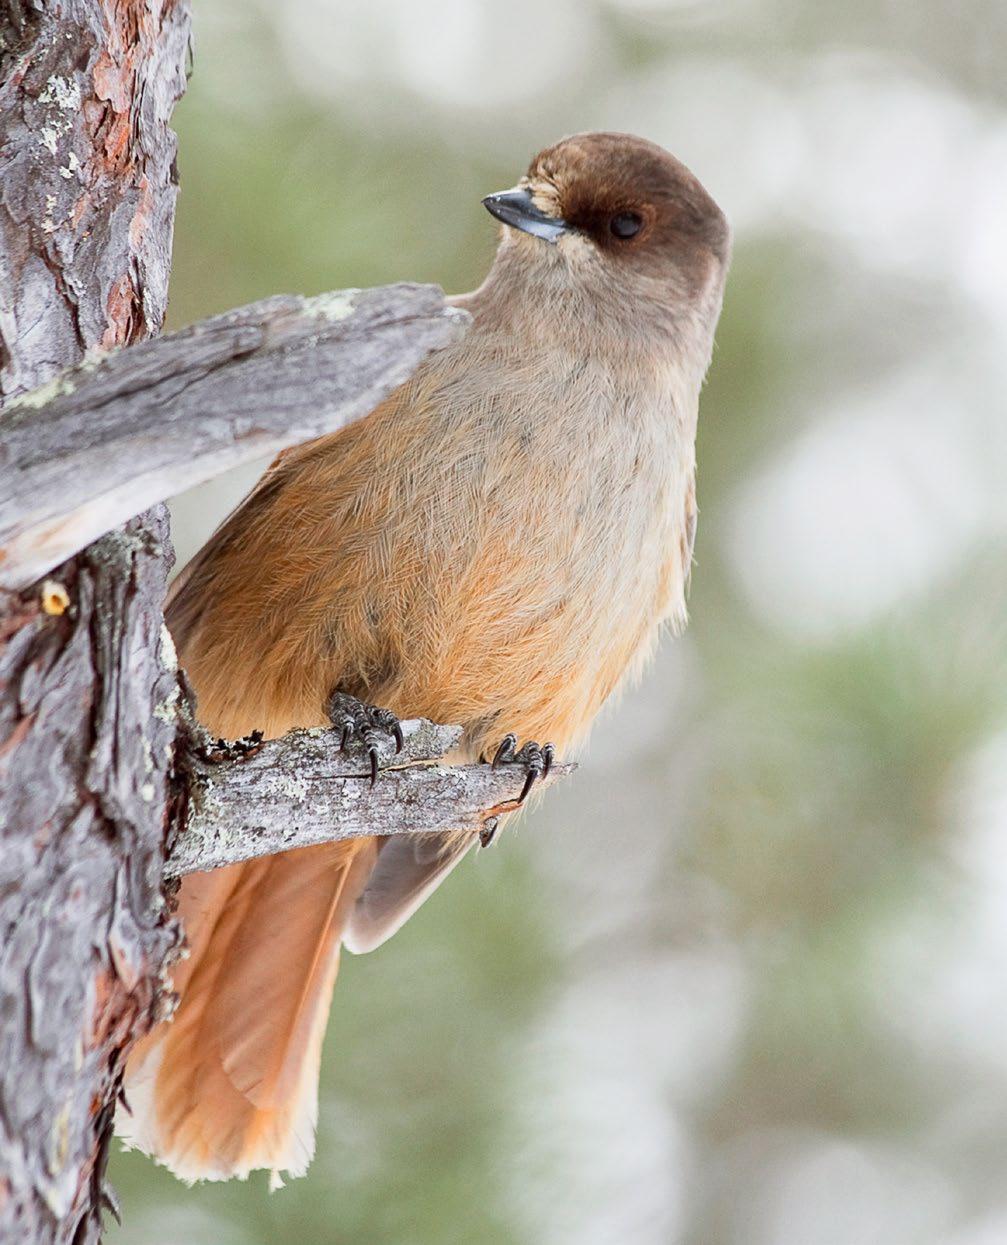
{"x": 497, "y": 546}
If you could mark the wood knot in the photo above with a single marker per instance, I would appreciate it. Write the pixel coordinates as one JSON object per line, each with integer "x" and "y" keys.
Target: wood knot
{"x": 55, "y": 598}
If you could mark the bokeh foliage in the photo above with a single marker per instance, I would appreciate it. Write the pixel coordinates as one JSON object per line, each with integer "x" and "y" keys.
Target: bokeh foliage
{"x": 741, "y": 981}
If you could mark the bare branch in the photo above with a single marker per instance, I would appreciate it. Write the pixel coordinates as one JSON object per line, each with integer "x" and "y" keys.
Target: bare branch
{"x": 117, "y": 434}
{"x": 301, "y": 790}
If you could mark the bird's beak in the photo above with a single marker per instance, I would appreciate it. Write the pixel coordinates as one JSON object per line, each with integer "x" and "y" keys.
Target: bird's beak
{"x": 515, "y": 208}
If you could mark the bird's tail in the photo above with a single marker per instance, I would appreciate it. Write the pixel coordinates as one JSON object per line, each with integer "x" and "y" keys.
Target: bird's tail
{"x": 231, "y": 1084}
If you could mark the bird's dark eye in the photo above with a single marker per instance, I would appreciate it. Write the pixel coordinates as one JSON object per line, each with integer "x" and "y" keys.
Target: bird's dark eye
{"x": 626, "y": 224}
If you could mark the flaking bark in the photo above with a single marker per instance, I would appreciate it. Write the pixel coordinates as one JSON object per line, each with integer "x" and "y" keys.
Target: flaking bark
{"x": 87, "y": 196}
{"x": 87, "y": 728}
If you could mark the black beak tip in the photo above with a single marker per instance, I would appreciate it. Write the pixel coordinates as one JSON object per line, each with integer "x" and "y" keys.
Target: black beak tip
{"x": 506, "y": 204}
{"x": 517, "y": 209}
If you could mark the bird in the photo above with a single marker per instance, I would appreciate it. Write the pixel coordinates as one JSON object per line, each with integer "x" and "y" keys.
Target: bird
{"x": 498, "y": 545}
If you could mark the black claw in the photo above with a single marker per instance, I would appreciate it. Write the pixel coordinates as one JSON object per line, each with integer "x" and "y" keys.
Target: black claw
{"x": 488, "y": 832}
{"x": 528, "y": 783}
{"x": 537, "y": 761}
{"x": 363, "y": 724}
{"x": 548, "y": 755}
{"x": 506, "y": 750}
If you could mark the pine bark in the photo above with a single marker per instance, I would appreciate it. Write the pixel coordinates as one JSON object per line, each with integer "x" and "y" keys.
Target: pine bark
{"x": 87, "y": 200}
{"x": 109, "y": 789}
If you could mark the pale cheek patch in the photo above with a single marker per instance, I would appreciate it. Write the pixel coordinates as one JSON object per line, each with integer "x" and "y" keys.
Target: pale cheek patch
{"x": 577, "y": 249}
{"x": 531, "y": 249}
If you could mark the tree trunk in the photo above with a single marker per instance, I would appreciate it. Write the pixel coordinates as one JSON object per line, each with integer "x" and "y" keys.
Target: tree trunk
{"x": 87, "y": 199}
{"x": 108, "y": 787}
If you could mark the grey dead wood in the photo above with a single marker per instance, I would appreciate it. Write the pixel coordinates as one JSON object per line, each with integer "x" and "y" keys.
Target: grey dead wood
{"x": 302, "y": 789}
{"x": 104, "y": 441}
{"x": 106, "y": 786}
{"x": 87, "y": 199}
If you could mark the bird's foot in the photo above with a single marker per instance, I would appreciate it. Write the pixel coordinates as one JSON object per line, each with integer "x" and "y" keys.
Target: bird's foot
{"x": 360, "y": 723}
{"x": 537, "y": 760}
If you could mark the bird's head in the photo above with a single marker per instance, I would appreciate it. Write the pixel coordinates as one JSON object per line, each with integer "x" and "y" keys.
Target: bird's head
{"x": 617, "y": 215}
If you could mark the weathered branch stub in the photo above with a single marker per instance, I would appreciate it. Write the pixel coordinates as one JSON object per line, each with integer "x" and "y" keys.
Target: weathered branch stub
{"x": 106, "y": 440}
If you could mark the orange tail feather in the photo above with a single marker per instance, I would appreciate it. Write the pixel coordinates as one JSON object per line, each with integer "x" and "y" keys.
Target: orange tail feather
{"x": 231, "y": 1084}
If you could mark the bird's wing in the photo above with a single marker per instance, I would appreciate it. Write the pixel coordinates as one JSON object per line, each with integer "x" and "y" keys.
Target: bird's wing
{"x": 406, "y": 872}
{"x": 189, "y": 594}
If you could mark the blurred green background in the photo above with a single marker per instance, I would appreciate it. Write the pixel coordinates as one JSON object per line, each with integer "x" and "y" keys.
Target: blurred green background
{"x": 743, "y": 981}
